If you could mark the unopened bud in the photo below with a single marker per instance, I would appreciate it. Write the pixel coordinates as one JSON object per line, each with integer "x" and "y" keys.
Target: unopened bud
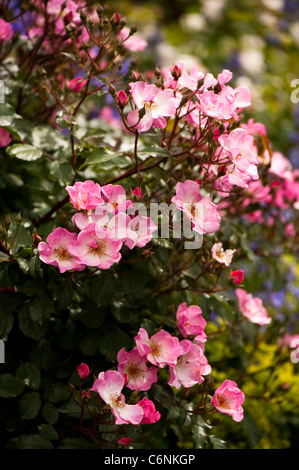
{"x": 133, "y": 30}
{"x": 7, "y": 222}
{"x": 122, "y": 98}
{"x": 115, "y": 20}
{"x": 18, "y": 218}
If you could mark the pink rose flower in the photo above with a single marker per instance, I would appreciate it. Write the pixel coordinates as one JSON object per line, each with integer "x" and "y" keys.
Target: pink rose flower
{"x": 55, "y": 251}
{"x": 191, "y": 366}
{"x": 156, "y": 102}
{"x": 239, "y": 146}
{"x": 237, "y": 276}
{"x": 83, "y": 370}
{"x": 191, "y": 322}
{"x": 150, "y": 414}
{"x": 76, "y": 84}
{"x": 5, "y": 138}
{"x": 122, "y": 98}
{"x": 6, "y": 31}
{"x": 109, "y": 386}
{"x": 222, "y": 256}
{"x": 200, "y": 210}
{"x": 125, "y": 441}
{"x": 95, "y": 246}
{"x": 161, "y": 349}
{"x": 135, "y": 370}
{"x": 252, "y": 308}
{"x": 86, "y": 195}
{"x": 133, "y": 43}
{"x": 115, "y": 196}
{"x": 228, "y": 398}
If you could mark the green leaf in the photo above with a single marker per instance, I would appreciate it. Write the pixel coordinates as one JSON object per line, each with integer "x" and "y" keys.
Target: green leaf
{"x": 30, "y": 405}
{"x": 41, "y": 308}
{"x": 6, "y": 323}
{"x": 58, "y": 392}
{"x": 24, "y": 152}
{"x": 98, "y": 156}
{"x": 10, "y": 386}
{"x": 62, "y": 171}
{"x": 6, "y": 114}
{"x": 47, "y": 431}
{"x": 50, "y": 413}
{"x": 218, "y": 443}
{"x": 113, "y": 342}
{"x": 30, "y": 374}
{"x": 34, "y": 441}
{"x": 199, "y": 436}
{"x": 155, "y": 151}
{"x": 29, "y": 327}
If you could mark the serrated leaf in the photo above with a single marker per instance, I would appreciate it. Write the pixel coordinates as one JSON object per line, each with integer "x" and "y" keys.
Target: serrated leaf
{"x": 24, "y": 152}
{"x": 47, "y": 431}
{"x": 10, "y": 386}
{"x": 30, "y": 405}
{"x": 98, "y": 156}
{"x": 6, "y": 114}
{"x": 50, "y": 413}
{"x": 34, "y": 441}
{"x": 30, "y": 375}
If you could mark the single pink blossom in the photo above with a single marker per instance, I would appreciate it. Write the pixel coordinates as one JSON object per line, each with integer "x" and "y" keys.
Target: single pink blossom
{"x": 221, "y": 255}
{"x": 5, "y": 138}
{"x": 191, "y": 322}
{"x": 124, "y": 441}
{"x": 252, "y": 308}
{"x": 228, "y": 398}
{"x": 139, "y": 231}
{"x": 122, "y": 98}
{"x": 133, "y": 43}
{"x": 76, "y": 84}
{"x": 86, "y": 195}
{"x": 254, "y": 127}
{"x": 191, "y": 366}
{"x": 239, "y": 146}
{"x": 83, "y": 370}
{"x": 237, "y": 276}
{"x": 156, "y": 102}
{"x": 95, "y": 246}
{"x": 161, "y": 349}
{"x": 150, "y": 414}
{"x": 115, "y": 196}
{"x": 55, "y": 251}
{"x": 137, "y": 192}
{"x": 200, "y": 210}
{"x": 135, "y": 370}
{"x": 109, "y": 386}
{"x": 6, "y": 31}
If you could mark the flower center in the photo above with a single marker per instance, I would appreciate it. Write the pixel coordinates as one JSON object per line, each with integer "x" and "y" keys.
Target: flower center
{"x": 117, "y": 401}
{"x": 133, "y": 370}
{"x": 62, "y": 253}
{"x": 151, "y": 105}
{"x": 222, "y": 402}
{"x": 156, "y": 349}
{"x": 97, "y": 247}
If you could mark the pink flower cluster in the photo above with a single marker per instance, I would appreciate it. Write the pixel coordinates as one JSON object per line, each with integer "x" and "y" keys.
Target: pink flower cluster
{"x": 103, "y": 227}
{"x": 138, "y": 368}
{"x": 187, "y": 363}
